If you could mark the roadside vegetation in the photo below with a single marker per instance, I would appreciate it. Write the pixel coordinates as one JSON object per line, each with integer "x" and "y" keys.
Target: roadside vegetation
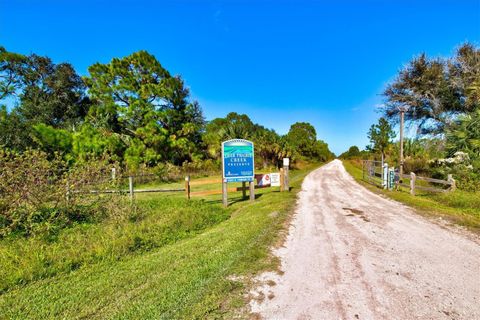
{"x": 441, "y": 99}
{"x": 459, "y": 207}
{"x": 61, "y": 133}
{"x": 167, "y": 258}
{"x": 67, "y": 251}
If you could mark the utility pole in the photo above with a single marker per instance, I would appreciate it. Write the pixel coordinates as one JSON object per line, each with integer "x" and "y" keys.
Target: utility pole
{"x": 402, "y": 109}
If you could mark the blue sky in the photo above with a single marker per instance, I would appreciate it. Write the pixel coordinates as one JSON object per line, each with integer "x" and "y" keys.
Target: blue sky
{"x": 325, "y": 62}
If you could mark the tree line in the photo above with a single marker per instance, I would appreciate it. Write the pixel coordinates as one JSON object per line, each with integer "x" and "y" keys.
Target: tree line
{"x": 442, "y": 101}
{"x": 130, "y": 110}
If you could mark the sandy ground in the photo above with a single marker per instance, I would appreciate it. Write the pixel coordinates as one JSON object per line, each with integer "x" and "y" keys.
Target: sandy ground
{"x": 352, "y": 254}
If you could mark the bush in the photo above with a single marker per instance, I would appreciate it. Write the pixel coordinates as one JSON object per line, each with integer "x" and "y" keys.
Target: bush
{"x": 201, "y": 167}
{"x": 168, "y": 172}
{"x": 465, "y": 171}
{"x": 418, "y": 165}
{"x": 38, "y": 194}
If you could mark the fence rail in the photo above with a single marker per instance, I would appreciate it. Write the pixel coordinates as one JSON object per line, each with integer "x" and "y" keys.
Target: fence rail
{"x": 128, "y": 191}
{"x": 450, "y": 182}
{"x": 377, "y": 173}
{"x": 244, "y": 188}
{"x": 98, "y": 186}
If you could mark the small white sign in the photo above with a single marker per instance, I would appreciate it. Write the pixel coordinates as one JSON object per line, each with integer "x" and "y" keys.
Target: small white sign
{"x": 286, "y": 162}
{"x": 275, "y": 179}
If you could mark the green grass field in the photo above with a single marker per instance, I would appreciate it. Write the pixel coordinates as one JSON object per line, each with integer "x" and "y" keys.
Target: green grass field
{"x": 459, "y": 207}
{"x": 169, "y": 260}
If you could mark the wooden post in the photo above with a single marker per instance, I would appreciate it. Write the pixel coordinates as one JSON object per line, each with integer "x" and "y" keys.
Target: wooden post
{"x": 286, "y": 180}
{"x": 412, "y": 183}
{"x": 114, "y": 173}
{"x": 130, "y": 187}
{"x": 187, "y": 187}
{"x": 67, "y": 195}
{"x": 252, "y": 190}
{"x": 224, "y": 193}
{"x": 244, "y": 189}
{"x": 286, "y": 165}
{"x": 453, "y": 185}
{"x": 282, "y": 173}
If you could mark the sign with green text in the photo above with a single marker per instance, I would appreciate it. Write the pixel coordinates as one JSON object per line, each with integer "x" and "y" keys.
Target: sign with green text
{"x": 237, "y": 160}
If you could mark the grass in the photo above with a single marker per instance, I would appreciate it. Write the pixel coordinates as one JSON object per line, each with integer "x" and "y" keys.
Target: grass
{"x": 172, "y": 262}
{"x": 459, "y": 207}
{"x": 26, "y": 259}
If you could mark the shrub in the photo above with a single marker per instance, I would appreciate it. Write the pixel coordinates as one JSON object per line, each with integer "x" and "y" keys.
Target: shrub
{"x": 465, "y": 171}
{"x": 38, "y": 194}
{"x": 418, "y": 165}
{"x": 29, "y": 190}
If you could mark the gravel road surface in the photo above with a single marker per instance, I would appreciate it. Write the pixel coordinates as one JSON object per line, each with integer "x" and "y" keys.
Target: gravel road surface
{"x": 352, "y": 254}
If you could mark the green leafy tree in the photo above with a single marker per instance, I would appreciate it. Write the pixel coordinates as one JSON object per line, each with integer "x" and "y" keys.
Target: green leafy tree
{"x": 381, "y": 136}
{"x": 303, "y": 137}
{"x": 52, "y": 140}
{"x": 53, "y": 94}
{"x": 40, "y": 92}
{"x": 268, "y": 146}
{"x": 11, "y": 72}
{"x": 239, "y": 126}
{"x": 436, "y": 90}
{"x": 352, "y": 153}
{"x": 322, "y": 151}
{"x": 14, "y": 133}
{"x": 465, "y": 136}
{"x": 233, "y": 126}
{"x": 136, "y": 97}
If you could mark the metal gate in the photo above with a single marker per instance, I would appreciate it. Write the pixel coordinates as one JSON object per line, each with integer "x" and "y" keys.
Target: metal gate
{"x": 372, "y": 172}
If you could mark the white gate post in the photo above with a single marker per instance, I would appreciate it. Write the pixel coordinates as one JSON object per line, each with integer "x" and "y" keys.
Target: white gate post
{"x": 413, "y": 177}
{"x": 385, "y": 176}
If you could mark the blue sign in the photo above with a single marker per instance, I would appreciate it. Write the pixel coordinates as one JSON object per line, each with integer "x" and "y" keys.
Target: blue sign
{"x": 238, "y": 161}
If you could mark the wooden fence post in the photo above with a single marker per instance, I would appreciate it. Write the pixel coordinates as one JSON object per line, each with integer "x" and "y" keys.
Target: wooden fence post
{"x": 252, "y": 190}
{"x": 412, "y": 183}
{"x": 282, "y": 178}
{"x": 130, "y": 187}
{"x": 224, "y": 193}
{"x": 67, "y": 195}
{"x": 187, "y": 187}
{"x": 244, "y": 189}
{"x": 453, "y": 185}
{"x": 285, "y": 179}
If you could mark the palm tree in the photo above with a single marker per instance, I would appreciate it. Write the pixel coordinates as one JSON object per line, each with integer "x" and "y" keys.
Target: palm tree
{"x": 465, "y": 136}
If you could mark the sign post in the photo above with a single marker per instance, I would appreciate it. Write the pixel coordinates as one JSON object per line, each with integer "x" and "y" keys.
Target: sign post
{"x": 237, "y": 165}
{"x": 224, "y": 193}
{"x": 187, "y": 187}
{"x": 286, "y": 165}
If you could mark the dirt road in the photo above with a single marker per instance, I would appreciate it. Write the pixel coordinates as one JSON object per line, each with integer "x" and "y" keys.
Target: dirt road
{"x": 351, "y": 254}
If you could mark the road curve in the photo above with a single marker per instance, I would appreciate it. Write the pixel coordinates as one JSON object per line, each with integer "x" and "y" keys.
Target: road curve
{"x": 352, "y": 254}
